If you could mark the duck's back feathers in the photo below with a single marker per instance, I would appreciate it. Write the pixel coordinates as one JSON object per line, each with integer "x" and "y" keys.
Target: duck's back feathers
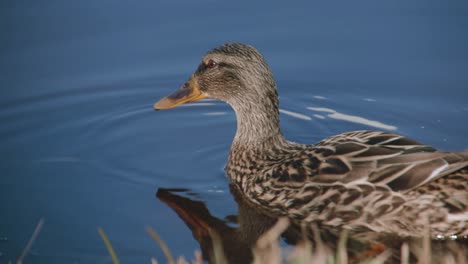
{"x": 363, "y": 180}
{"x": 384, "y": 158}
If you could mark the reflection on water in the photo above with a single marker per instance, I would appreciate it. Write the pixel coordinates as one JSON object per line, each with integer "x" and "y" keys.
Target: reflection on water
{"x": 294, "y": 114}
{"x": 339, "y": 116}
{"x": 231, "y": 238}
{"x": 351, "y": 118}
{"x": 215, "y": 113}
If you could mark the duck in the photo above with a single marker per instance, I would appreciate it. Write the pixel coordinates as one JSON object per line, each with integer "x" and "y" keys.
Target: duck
{"x": 361, "y": 181}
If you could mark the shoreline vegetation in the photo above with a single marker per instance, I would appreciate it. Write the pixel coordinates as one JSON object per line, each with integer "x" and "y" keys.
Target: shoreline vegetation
{"x": 268, "y": 250}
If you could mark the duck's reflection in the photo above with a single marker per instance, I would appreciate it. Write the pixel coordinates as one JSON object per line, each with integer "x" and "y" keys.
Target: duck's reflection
{"x": 217, "y": 239}
{"x": 220, "y": 242}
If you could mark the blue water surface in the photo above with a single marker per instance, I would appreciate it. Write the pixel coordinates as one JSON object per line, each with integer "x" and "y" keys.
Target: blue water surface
{"x": 82, "y": 147}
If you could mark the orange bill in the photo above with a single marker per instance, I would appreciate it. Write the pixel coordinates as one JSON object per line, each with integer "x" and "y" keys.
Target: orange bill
{"x": 189, "y": 92}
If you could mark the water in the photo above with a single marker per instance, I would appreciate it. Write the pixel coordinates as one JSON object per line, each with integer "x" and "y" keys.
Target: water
{"x": 82, "y": 147}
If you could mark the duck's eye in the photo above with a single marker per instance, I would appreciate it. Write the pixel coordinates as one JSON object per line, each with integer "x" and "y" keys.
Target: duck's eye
{"x": 211, "y": 64}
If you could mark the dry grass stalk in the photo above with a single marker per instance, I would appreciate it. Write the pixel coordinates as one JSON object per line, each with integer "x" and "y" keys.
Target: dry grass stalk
{"x": 33, "y": 238}
{"x": 380, "y": 259}
{"x": 342, "y": 253}
{"x": 303, "y": 251}
{"x": 322, "y": 253}
{"x": 198, "y": 258}
{"x": 218, "y": 255}
{"x": 267, "y": 249}
{"x": 109, "y": 247}
{"x": 162, "y": 245}
{"x": 404, "y": 253}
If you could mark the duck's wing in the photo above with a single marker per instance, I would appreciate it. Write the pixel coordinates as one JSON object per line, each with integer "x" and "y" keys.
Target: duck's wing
{"x": 383, "y": 158}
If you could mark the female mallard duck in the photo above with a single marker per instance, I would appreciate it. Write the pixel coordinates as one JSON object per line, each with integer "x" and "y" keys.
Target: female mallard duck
{"x": 361, "y": 180}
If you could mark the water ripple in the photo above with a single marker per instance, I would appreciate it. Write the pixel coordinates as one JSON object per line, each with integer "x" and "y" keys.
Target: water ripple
{"x": 351, "y": 118}
{"x": 294, "y": 114}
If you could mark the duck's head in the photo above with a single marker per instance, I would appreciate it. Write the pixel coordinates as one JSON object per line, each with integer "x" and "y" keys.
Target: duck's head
{"x": 235, "y": 73}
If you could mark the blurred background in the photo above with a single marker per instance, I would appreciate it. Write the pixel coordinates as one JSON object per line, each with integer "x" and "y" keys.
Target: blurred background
{"x": 82, "y": 147}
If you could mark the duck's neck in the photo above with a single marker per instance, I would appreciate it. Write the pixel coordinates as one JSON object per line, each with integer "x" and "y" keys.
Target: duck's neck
{"x": 257, "y": 124}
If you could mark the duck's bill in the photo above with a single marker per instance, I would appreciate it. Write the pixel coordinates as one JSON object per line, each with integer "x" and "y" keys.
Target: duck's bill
{"x": 189, "y": 92}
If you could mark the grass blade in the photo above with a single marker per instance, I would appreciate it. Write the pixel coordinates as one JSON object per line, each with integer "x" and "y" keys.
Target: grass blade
{"x": 162, "y": 245}
{"x": 31, "y": 241}
{"x": 108, "y": 244}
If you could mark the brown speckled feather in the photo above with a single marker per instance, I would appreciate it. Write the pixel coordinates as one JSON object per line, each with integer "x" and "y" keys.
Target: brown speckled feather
{"x": 363, "y": 181}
